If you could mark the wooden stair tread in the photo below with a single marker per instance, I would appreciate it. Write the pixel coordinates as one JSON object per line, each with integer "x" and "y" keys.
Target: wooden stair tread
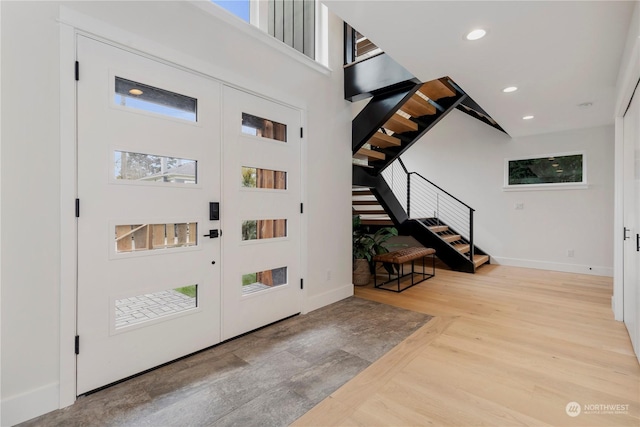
{"x": 376, "y": 221}
{"x": 364, "y": 46}
{"x": 436, "y": 89}
{"x": 364, "y": 202}
{"x": 438, "y": 228}
{"x": 399, "y": 124}
{"x": 380, "y": 139}
{"x": 370, "y": 212}
{"x": 478, "y": 260}
{"x": 363, "y": 192}
{"x": 451, "y": 237}
{"x": 417, "y": 106}
{"x": 462, "y": 247}
{"x": 371, "y": 154}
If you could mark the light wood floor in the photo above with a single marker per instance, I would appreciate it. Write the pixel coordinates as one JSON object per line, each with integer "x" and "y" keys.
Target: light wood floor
{"x": 507, "y": 346}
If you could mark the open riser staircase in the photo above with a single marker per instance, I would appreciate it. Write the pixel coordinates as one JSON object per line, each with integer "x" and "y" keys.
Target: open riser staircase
{"x": 420, "y": 209}
{"x": 401, "y": 110}
{"x": 390, "y": 123}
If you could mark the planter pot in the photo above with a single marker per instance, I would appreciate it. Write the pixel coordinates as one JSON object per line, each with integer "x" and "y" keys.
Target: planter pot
{"x": 361, "y": 272}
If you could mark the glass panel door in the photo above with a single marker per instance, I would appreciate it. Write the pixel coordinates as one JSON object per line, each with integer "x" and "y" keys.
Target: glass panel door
{"x": 261, "y": 212}
{"x": 148, "y": 166}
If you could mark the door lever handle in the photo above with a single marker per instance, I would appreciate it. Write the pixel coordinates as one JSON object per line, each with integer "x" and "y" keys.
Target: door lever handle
{"x": 625, "y": 237}
{"x": 637, "y": 242}
{"x": 213, "y": 234}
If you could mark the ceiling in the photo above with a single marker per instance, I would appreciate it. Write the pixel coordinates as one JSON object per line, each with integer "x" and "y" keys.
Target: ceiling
{"x": 559, "y": 54}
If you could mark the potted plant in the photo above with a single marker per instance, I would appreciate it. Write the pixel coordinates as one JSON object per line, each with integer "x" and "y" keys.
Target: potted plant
{"x": 365, "y": 247}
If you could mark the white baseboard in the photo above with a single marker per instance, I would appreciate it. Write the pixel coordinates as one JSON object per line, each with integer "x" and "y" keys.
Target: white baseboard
{"x": 31, "y": 404}
{"x": 554, "y": 266}
{"x": 318, "y": 301}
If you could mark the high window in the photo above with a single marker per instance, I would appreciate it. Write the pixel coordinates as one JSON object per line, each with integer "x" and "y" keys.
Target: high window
{"x": 293, "y": 22}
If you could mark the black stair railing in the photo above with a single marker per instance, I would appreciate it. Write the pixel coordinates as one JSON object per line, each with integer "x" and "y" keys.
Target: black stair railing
{"x": 422, "y": 200}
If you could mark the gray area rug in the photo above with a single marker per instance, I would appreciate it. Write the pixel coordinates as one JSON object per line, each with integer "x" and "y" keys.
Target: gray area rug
{"x": 269, "y": 377}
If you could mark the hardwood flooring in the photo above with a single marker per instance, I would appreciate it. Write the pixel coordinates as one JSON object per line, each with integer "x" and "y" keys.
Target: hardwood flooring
{"x": 508, "y": 346}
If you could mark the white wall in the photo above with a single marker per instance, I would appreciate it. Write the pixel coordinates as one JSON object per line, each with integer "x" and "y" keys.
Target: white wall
{"x": 466, "y": 158}
{"x": 31, "y": 149}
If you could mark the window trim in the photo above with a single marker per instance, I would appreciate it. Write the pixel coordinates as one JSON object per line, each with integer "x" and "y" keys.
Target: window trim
{"x": 548, "y": 186}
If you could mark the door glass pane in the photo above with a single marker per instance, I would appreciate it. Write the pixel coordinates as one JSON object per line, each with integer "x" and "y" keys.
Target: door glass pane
{"x": 155, "y": 100}
{"x": 151, "y": 168}
{"x": 263, "y": 178}
{"x": 257, "y": 229}
{"x": 143, "y": 308}
{"x": 257, "y": 126}
{"x": 145, "y": 237}
{"x": 254, "y": 282}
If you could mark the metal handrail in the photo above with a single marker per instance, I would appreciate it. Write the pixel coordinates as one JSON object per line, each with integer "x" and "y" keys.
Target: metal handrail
{"x": 423, "y": 197}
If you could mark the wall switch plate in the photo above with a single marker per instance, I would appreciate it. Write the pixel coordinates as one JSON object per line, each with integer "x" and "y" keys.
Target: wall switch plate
{"x": 570, "y": 253}
{"x": 519, "y": 206}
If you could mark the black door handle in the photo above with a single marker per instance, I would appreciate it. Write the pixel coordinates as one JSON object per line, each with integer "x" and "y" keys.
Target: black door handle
{"x": 625, "y": 237}
{"x": 213, "y": 234}
{"x": 638, "y": 242}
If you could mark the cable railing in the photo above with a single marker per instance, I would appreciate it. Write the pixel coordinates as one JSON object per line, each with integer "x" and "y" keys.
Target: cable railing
{"x": 424, "y": 200}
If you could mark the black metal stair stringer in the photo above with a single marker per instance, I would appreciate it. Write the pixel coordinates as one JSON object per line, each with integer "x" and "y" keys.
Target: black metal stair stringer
{"x": 425, "y": 123}
{"x": 382, "y": 192}
{"x": 376, "y": 113}
{"x": 444, "y": 251}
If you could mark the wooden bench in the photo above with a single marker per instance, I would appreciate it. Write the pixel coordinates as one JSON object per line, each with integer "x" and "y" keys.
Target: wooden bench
{"x": 399, "y": 258}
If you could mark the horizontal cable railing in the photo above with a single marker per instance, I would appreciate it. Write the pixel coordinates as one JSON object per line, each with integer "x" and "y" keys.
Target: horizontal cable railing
{"x": 397, "y": 178}
{"x": 424, "y": 200}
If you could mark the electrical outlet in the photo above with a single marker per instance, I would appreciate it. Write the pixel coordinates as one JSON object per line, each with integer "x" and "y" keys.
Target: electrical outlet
{"x": 328, "y": 275}
{"x": 570, "y": 253}
{"x": 519, "y": 206}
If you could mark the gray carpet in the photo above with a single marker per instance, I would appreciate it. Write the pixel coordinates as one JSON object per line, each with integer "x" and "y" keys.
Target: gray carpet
{"x": 269, "y": 377}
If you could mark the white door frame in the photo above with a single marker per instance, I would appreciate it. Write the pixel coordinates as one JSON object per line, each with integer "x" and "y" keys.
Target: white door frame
{"x": 627, "y": 83}
{"x": 73, "y": 23}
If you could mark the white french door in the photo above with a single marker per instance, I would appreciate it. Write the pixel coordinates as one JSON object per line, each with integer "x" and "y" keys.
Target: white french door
{"x": 631, "y": 275}
{"x": 148, "y": 168}
{"x": 261, "y": 213}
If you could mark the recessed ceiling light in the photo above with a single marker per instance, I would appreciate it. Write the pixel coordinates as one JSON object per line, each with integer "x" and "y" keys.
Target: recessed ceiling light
{"x": 555, "y": 165}
{"x": 527, "y": 117}
{"x": 476, "y": 34}
{"x": 136, "y": 92}
{"x": 585, "y": 105}
{"x": 510, "y": 89}
{"x": 559, "y": 170}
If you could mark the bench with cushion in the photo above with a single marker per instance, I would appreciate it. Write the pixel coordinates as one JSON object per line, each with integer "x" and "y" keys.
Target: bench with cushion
{"x": 399, "y": 258}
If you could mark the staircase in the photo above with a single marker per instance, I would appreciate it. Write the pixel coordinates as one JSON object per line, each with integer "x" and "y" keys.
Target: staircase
{"x": 367, "y": 207}
{"x": 401, "y": 110}
{"x": 420, "y": 209}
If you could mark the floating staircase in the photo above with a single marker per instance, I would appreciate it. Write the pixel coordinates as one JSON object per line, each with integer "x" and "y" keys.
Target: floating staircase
{"x": 401, "y": 110}
{"x": 378, "y": 205}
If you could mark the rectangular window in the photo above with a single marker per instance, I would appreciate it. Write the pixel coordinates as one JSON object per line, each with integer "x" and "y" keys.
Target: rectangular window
{"x": 263, "y": 178}
{"x": 264, "y": 229}
{"x": 558, "y": 170}
{"x": 257, "y": 126}
{"x": 146, "y": 307}
{"x": 254, "y": 282}
{"x": 151, "y": 168}
{"x": 146, "y": 237}
{"x": 152, "y": 99}
{"x": 294, "y": 23}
